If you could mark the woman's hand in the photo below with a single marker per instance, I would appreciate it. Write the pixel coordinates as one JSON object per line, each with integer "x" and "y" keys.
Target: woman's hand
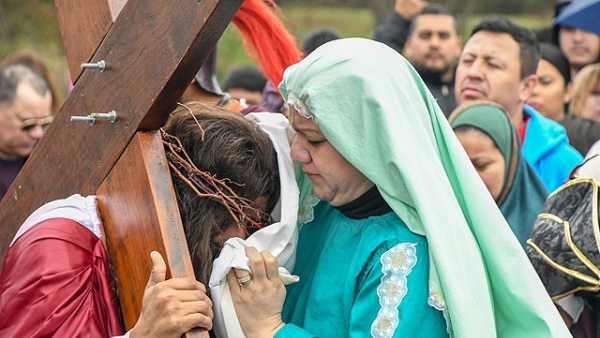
{"x": 259, "y": 302}
{"x": 171, "y": 307}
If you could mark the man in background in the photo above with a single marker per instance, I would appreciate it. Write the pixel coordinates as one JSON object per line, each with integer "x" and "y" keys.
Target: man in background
{"x": 25, "y": 113}
{"x": 429, "y": 36}
{"x": 499, "y": 63}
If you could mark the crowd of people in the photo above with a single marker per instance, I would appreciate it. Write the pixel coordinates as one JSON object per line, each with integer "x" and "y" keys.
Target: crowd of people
{"x": 343, "y": 193}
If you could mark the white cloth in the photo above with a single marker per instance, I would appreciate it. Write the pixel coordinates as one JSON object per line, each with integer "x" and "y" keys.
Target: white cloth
{"x": 591, "y": 166}
{"x": 77, "y": 208}
{"x": 279, "y": 238}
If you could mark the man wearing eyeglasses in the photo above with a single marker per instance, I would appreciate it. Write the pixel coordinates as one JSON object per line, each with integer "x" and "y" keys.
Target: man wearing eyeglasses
{"x": 25, "y": 112}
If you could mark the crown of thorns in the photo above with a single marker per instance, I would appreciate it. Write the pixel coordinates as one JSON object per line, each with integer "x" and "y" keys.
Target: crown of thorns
{"x": 248, "y": 215}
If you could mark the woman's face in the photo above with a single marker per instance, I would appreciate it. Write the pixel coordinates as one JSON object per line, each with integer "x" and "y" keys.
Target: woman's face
{"x": 335, "y": 179}
{"x": 550, "y": 95}
{"x": 486, "y": 158}
{"x": 591, "y": 105}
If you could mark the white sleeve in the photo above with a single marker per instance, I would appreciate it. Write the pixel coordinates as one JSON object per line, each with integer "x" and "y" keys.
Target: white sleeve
{"x": 572, "y": 305}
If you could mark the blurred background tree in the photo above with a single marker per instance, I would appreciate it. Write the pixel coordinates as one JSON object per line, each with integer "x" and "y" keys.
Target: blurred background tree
{"x": 32, "y": 24}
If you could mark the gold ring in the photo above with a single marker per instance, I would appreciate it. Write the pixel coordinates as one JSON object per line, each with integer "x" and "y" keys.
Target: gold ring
{"x": 245, "y": 281}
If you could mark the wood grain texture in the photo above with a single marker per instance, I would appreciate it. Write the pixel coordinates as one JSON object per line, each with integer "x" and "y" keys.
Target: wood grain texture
{"x": 83, "y": 25}
{"x": 139, "y": 211}
{"x": 152, "y": 51}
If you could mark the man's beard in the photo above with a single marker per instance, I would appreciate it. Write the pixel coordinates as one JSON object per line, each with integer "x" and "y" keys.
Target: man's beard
{"x": 434, "y": 71}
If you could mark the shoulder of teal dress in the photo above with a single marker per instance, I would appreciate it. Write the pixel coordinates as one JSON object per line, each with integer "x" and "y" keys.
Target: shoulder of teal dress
{"x": 397, "y": 232}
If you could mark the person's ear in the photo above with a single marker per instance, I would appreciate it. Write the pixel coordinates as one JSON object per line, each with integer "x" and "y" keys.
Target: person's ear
{"x": 527, "y": 86}
{"x": 568, "y": 92}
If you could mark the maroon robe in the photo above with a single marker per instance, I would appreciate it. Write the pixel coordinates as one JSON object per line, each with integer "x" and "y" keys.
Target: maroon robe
{"x": 56, "y": 283}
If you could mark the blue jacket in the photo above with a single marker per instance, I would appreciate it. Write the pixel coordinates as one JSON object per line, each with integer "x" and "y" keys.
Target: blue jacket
{"x": 546, "y": 147}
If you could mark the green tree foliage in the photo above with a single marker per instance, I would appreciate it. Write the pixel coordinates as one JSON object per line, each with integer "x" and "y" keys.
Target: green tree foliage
{"x": 32, "y": 24}
{"x": 27, "y": 22}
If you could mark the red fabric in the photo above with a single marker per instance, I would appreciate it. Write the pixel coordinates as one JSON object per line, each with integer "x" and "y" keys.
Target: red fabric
{"x": 266, "y": 39}
{"x": 523, "y": 129}
{"x": 56, "y": 283}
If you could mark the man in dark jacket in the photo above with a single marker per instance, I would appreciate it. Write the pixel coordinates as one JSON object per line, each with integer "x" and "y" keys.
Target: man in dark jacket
{"x": 25, "y": 112}
{"x": 429, "y": 34}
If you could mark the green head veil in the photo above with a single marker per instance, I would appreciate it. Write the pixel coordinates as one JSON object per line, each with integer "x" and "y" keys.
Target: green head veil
{"x": 495, "y": 123}
{"x": 375, "y": 110}
{"x": 523, "y": 193}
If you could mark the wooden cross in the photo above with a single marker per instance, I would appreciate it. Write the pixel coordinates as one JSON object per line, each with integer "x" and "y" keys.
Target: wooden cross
{"x": 152, "y": 50}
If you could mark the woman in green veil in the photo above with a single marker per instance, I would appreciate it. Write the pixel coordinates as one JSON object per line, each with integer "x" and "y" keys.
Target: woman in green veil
{"x": 434, "y": 257}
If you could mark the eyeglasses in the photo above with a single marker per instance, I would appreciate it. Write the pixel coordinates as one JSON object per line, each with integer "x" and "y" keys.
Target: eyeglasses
{"x": 28, "y": 124}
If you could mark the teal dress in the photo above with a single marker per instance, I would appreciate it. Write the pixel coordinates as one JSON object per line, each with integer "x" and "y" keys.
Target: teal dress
{"x": 359, "y": 278}
{"x": 364, "y": 102}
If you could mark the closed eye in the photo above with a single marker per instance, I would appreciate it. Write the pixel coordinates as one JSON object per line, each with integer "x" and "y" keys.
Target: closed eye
{"x": 480, "y": 165}
{"x": 467, "y": 61}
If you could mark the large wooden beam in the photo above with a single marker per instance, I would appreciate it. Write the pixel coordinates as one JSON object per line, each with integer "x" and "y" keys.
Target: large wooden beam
{"x": 139, "y": 212}
{"x": 152, "y": 52}
{"x": 83, "y": 33}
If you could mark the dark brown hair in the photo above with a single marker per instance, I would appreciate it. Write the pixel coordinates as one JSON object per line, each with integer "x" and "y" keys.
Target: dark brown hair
{"x": 529, "y": 46}
{"x": 230, "y": 148}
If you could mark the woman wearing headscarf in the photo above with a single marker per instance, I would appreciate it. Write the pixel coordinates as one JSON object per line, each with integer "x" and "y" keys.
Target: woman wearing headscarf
{"x": 395, "y": 224}
{"x": 492, "y": 143}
